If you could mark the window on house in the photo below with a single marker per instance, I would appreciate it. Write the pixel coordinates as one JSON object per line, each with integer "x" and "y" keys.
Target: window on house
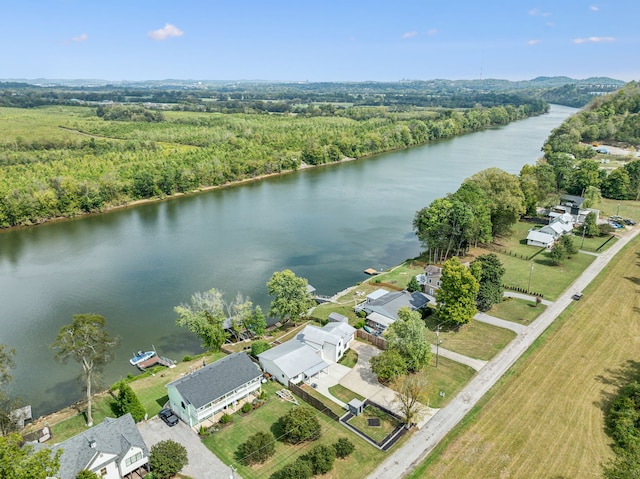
{"x": 135, "y": 458}
{"x": 103, "y": 471}
{"x": 182, "y": 404}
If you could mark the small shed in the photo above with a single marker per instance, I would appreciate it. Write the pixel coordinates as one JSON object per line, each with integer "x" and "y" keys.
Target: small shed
{"x": 356, "y": 406}
{"x": 338, "y": 318}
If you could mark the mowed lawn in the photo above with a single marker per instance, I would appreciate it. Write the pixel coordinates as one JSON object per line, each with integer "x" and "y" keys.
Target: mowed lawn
{"x": 546, "y": 418}
{"x": 224, "y": 443}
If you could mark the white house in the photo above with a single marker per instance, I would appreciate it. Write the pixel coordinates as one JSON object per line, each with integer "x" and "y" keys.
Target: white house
{"x": 292, "y": 361}
{"x": 212, "y": 388}
{"x": 309, "y": 353}
{"x": 542, "y": 240}
{"x": 113, "y": 449}
{"x": 331, "y": 341}
{"x": 547, "y": 235}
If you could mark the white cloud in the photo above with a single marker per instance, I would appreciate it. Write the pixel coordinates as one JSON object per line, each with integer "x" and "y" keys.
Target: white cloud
{"x": 409, "y": 34}
{"x": 80, "y": 38}
{"x": 593, "y": 40}
{"x": 534, "y": 12}
{"x": 165, "y": 32}
{"x": 533, "y": 42}
{"x": 432, "y": 31}
{"x": 594, "y": 8}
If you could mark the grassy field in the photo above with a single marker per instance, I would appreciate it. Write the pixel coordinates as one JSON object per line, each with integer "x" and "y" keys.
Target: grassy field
{"x": 225, "y": 442}
{"x": 546, "y": 279}
{"x": 545, "y": 418}
{"x": 476, "y": 340}
{"x": 349, "y": 359}
{"x": 449, "y": 377}
{"x": 517, "y": 310}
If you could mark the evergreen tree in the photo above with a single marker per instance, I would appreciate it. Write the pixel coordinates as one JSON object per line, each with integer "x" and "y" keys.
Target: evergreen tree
{"x": 128, "y": 402}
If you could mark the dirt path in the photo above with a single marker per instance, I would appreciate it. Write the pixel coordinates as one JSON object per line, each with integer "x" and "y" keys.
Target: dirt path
{"x": 426, "y": 439}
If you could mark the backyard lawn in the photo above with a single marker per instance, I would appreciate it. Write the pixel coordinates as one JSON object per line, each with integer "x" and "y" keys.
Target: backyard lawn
{"x": 517, "y": 310}
{"x": 377, "y": 433}
{"x": 225, "y": 442}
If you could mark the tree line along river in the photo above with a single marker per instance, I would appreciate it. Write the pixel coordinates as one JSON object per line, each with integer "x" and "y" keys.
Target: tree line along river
{"x": 135, "y": 264}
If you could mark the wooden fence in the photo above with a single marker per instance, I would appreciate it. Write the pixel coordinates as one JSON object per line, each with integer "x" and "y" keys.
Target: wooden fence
{"x": 315, "y": 402}
{"x": 377, "y": 341}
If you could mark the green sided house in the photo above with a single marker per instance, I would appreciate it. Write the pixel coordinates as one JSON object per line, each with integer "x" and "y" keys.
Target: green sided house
{"x": 213, "y": 388}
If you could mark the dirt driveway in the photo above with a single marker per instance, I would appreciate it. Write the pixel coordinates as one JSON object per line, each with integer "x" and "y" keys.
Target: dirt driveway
{"x": 203, "y": 464}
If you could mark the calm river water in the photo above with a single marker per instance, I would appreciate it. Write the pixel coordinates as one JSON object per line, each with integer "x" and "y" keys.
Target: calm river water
{"x": 134, "y": 265}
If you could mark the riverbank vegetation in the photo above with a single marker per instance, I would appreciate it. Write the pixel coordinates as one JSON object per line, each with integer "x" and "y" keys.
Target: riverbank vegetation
{"x": 67, "y": 160}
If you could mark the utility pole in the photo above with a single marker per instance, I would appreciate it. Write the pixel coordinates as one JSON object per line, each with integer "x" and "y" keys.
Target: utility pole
{"x": 437, "y": 343}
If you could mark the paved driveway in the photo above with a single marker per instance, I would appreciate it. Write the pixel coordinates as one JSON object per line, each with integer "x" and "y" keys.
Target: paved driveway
{"x": 203, "y": 464}
{"x": 333, "y": 376}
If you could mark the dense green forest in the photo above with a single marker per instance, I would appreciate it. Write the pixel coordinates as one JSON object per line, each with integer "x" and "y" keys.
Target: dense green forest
{"x": 64, "y": 160}
{"x": 571, "y": 149}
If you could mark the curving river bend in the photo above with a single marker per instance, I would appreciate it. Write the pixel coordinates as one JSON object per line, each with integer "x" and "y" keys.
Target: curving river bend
{"x": 134, "y": 265}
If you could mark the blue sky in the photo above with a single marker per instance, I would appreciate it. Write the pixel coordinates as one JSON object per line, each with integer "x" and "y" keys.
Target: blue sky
{"x": 319, "y": 40}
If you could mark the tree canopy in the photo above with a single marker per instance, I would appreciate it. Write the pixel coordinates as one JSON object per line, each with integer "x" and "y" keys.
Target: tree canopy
{"x": 18, "y": 461}
{"x": 167, "y": 458}
{"x": 457, "y": 294}
{"x": 87, "y": 342}
{"x": 491, "y": 288}
{"x": 506, "y": 200}
{"x": 291, "y": 299}
{"x": 407, "y": 336}
{"x": 205, "y": 317}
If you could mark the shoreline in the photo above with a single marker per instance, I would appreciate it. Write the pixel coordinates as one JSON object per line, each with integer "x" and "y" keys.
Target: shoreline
{"x": 204, "y": 189}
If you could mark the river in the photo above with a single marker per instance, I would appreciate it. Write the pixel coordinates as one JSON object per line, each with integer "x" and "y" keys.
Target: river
{"x": 134, "y": 265}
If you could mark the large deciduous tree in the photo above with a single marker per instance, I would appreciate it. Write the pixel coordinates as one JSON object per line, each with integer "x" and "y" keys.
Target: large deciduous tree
{"x": 457, "y": 294}
{"x": 411, "y": 396}
{"x": 300, "y": 424}
{"x": 167, "y": 458}
{"x": 388, "y": 365}
{"x": 205, "y": 317}
{"x": 491, "y": 289}
{"x": 18, "y": 461}
{"x": 505, "y": 197}
{"x": 87, "y": 342}
{"x": 257, "y": 448}
{"x": 407, "y": 335}
{"x": 291, "y": 298}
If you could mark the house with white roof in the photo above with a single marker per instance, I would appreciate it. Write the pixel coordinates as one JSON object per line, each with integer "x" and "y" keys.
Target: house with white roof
{"x": 547, "y": 235}
{"x": 309, "y": 353}
{"x": 213, "y": 388}
{"x": 114, "y": 449}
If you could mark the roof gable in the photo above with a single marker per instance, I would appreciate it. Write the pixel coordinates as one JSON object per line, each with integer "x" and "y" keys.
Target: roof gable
{"x": 112, "y": 437}
{"x": 216, "y": 379}
{"x": 292, "y": 357}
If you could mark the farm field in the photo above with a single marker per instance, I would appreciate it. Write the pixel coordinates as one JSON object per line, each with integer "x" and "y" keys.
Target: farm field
{"x": 555, "y": 398}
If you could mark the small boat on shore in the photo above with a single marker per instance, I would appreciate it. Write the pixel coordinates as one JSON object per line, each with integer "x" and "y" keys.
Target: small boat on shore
{"x": 141, "y": 356}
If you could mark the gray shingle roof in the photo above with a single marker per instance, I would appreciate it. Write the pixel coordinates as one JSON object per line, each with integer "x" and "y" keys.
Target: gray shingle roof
{"x": 293, "y": 357}
{"x": 111, "y": 436}
{"x": 216, "y": 379}
{"x": 389, "y": 304}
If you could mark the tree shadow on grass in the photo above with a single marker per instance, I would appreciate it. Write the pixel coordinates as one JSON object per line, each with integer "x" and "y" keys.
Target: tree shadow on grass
{"x": 633, "y": 279}
{"x": 277, "y": 429}
{"x": 619, "y": 378}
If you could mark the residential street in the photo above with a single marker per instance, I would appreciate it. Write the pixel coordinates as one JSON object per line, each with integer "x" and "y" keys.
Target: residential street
{"x": 424, "y": 440}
